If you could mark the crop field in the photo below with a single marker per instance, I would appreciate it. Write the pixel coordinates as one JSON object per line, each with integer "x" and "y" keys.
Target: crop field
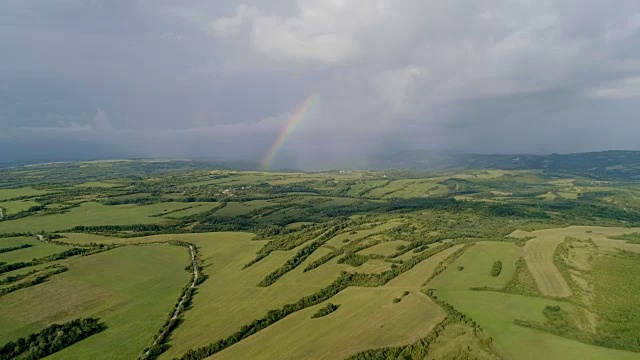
{"x": 181, "y": 261}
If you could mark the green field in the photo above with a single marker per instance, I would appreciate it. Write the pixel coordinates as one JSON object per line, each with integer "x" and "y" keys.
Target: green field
{"x": 194, "y": 209}
{"x": 366, "y": 318}
{"x": 477, "y": 262}
{"x": 131, "y": 296}
{"x": 92, "y": 214}
{"x": 469, "y": 264}
{"x": 385, "y": 249}
{"x": 6, "y": 194}
{"x": 237, "y": 209}
{"x": 37, "y": 250}
{"x": 16, "y": 206}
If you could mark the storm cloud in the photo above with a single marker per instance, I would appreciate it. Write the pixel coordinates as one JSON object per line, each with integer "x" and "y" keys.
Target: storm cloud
{"x": 220, "y": 79}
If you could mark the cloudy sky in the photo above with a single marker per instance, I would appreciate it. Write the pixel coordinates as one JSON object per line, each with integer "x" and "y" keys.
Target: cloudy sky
{"x": 220, "y": 79}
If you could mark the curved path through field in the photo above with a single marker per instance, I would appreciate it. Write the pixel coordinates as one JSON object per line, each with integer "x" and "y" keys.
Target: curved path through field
{"x": 1, "y": 213}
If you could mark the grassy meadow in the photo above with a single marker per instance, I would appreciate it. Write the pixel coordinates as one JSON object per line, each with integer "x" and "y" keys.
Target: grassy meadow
{"x": 475, "y": 263}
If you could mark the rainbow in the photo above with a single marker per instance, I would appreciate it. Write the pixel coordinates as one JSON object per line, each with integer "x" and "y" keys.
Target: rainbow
{"x": 288, "y": 130}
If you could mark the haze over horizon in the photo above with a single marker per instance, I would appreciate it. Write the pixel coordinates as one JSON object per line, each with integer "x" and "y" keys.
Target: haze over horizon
{"x": 113, "y": 79}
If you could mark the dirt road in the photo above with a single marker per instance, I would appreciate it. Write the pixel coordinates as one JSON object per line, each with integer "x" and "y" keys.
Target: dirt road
{"x": 176, "y": 312}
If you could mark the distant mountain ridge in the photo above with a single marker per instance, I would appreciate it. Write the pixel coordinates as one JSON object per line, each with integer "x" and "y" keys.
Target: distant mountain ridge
{"x": 612, "y": 164}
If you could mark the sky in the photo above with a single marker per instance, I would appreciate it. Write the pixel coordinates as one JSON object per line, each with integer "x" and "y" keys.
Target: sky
{"x": 84, "y": 79}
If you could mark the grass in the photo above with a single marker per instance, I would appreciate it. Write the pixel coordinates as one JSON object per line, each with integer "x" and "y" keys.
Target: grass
{"x": 538, "y": 253}
{"x": 459, "y": 341}
{"x": 388, "y": 189}
{"x": 6, "y": 194}
{"x": 38, "y": 250}
{"x": 196, "y": 208}
{"x": 385, "y": 248}
{"x": 366, "y": 318}
{"x": 16, "y": 206}
{"x": 242, "y": 208}
{"x": 478, "y": 262}
{"x": 132, "y": 297}
{"x": 339, "y": 240}
{"x": 91, "y": 214}
{"x": 82, "y": 238}
{"x": 230, "y": 298}
{"x": 98, "y": 184}
{"x": 421, "y": 272}
{"x": 495, "y": 312}
{"x": 617, "y": 291}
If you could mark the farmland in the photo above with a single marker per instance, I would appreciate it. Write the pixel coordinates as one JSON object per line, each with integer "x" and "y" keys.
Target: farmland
{"x": 188, "y": 262}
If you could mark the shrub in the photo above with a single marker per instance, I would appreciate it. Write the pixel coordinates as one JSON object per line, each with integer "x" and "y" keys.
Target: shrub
{"x": 325, "y": 310}
{"x": 496, "y": 268}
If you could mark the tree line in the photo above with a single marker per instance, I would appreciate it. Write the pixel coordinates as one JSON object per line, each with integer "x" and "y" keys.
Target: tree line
{"x": 344, "y": 280}
{"x": 52, "y": 339}
{"x": 59, "y": 256}
{"x": 301, "y": 256}
{"x": 13, "y": 248}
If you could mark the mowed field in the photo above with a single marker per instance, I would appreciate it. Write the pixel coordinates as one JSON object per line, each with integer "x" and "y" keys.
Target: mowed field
{"x": 38, "y": 249}
{"x": 230, "y": 298}
{"x": 496, "y": 311}
{"x": 538, "y": 253}
{"x": 92, "y": 214}
{"x": 131, "y": 290}
{"x": 367, "y": 318}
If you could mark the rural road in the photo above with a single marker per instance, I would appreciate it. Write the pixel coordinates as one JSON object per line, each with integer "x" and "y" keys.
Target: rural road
{"x": 1, "y": 213}
{"x": 41, "y": 238}
{"x": 193, "y": 283}
{"x": 176, "y": 313}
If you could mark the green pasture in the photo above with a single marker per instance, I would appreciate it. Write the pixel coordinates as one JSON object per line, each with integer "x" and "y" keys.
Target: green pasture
{"x": 6, "y": 194}
{"x": 130, "y": 289}
{"x": 92, "y": 214}
{"x": 16, "y": 206}
{"x": 37, "y": 250}
{"x": 242, "y": 208}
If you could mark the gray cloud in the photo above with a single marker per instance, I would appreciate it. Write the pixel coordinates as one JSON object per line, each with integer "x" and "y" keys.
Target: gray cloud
{"x": 220, "y": 80}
